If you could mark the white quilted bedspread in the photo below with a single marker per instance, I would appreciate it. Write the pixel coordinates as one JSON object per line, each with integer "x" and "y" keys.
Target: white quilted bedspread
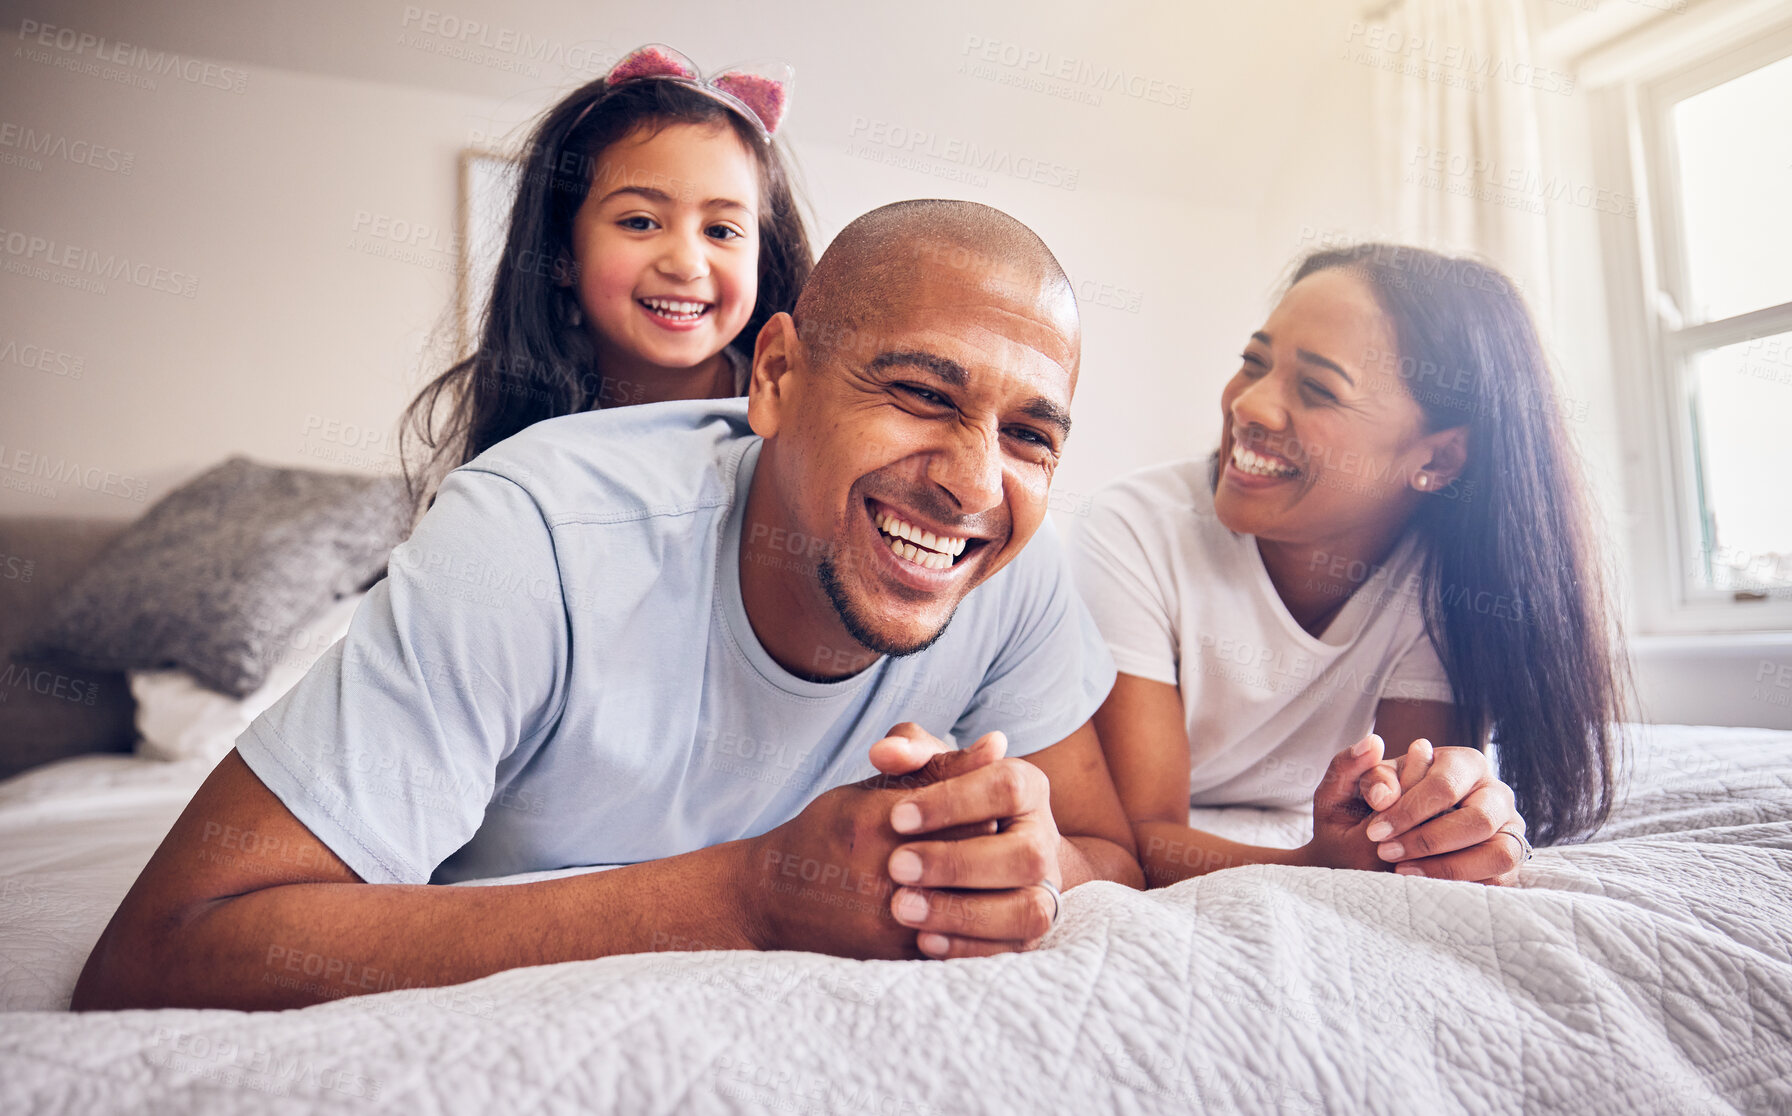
{"x": 1650, "y": 971}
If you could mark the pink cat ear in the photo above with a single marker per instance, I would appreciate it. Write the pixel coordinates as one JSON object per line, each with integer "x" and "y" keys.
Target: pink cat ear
{"x": 655, "y": 60}
{"x": 763, "y": 89}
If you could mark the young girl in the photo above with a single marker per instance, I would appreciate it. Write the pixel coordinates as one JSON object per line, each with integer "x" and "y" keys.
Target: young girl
{"x": 1392, "y": 534}
{"x": 654, "y": 232}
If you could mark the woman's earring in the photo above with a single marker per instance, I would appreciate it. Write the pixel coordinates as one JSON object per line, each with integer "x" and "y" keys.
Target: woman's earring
{"x": 1423, "y": 480}
{"x": 576, "y": 316}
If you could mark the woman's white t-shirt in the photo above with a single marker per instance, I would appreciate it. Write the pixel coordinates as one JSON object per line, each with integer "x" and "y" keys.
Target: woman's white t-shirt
{"x": 1182, "y": 600}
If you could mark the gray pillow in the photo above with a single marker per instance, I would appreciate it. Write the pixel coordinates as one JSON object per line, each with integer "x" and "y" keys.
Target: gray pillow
{"x": 218, "y": 575}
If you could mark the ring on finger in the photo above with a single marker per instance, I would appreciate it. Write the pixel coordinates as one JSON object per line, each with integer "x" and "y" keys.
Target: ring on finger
{"x": 1057, "y": 903}
{"x": 1524, "y": 846}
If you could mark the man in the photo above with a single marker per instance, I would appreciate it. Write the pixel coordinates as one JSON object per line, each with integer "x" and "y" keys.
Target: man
{"x": 656, "y": 638}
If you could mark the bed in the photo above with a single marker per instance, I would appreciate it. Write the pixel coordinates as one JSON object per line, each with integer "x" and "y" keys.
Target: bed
{"x": 1647, "y": 971}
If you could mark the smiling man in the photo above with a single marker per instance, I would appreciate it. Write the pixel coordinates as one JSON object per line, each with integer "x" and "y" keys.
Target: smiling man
{"x": 673, "y": 638}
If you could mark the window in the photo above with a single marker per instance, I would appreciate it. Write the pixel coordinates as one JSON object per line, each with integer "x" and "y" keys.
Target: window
{"x": 488, "y": 183}
{"x": 1716, "y": 152}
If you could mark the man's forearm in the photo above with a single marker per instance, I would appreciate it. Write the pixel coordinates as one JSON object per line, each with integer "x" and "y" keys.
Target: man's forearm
{"x": 297, "y": 944}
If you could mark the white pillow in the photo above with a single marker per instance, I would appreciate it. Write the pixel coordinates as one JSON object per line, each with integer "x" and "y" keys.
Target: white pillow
{"x": 179, "y": 719}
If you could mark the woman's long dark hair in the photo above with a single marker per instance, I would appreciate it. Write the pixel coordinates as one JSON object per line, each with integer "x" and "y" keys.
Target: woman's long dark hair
{"x": 532, "y": 361}
{"x": 1513, "y": 591}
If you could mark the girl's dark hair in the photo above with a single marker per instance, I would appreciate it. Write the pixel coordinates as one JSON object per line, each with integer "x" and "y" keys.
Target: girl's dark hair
{"x": 1512, "y": 587}
{"x": 532, "y": 362}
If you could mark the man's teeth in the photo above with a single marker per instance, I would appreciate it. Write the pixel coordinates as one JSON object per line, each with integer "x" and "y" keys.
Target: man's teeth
{"x": 1259, "y": 466}
{"x": 924, "y": 548}
{"x": 677, "y": 309}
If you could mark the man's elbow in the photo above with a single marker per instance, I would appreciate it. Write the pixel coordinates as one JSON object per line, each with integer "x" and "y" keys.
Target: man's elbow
{"x": 103, "y": 986}
{"x": 130, "y": 967}
{"x": 1108, "y": 859}
{"x": 1128, "y": 863}
{"x": 1123, "y": 863}
{"x": 1128, "y": 870}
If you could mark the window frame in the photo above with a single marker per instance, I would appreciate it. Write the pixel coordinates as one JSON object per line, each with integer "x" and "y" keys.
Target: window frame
{"x": 1649, "y": 278}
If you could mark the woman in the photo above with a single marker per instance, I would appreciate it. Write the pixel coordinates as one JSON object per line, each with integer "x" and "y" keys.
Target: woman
{"x": 1392, "y": 535}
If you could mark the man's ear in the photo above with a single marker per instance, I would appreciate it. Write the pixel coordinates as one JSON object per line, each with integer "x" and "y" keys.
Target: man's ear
{"x": 1447, "y": 453}
{"x": 777, "y": 353}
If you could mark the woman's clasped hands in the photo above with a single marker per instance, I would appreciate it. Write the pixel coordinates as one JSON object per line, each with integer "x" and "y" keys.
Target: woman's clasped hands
{"x": 1434, "y": 812}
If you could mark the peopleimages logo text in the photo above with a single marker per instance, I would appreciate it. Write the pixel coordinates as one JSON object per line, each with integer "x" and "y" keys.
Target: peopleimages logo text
{"x": 26, "y": 463}
{"x": 969, "y": 154}
{"x": 74, "y": 45}
{"x": 98, "y": 265}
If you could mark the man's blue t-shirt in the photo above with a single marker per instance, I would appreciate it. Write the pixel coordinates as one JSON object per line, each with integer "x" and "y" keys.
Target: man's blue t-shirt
{"x": 558, "y": 669}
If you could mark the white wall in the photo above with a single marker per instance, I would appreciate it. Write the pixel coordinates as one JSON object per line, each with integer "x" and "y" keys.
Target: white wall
{"x": 305, "y": 335}
{"x": 296, "y": 324}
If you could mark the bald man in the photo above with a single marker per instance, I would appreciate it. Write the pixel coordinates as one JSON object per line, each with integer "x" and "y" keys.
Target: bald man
{"x": 675, "y": 638}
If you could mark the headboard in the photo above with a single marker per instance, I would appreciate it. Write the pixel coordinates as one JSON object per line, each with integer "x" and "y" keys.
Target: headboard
{"x": 48, "y": 712}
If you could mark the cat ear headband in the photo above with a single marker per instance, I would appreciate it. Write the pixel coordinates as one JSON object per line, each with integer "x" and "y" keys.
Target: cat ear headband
{"x": 760, "y": 92}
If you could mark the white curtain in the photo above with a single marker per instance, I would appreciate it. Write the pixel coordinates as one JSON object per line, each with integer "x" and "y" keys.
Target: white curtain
{"x": 1457, "y": 94}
